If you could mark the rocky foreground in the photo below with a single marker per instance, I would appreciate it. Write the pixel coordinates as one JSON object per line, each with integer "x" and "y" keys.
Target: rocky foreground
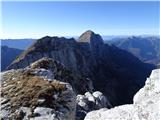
{"x": 146, "y": 104}
{"x": 33, "y": 93}
{"x": 42, "y": 91}
{"x": 46, "y": 90}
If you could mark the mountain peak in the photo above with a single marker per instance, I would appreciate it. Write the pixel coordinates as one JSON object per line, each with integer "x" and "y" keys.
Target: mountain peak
{"x": 90, "y": 32}
{"x": 89, "y": 37}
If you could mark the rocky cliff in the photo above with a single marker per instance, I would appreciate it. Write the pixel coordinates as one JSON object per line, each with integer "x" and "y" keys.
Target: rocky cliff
{"x": 114, "y": 72}
{"x": 146, "y": 104}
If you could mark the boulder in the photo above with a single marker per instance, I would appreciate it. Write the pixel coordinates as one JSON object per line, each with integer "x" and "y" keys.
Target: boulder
{"x": 90, "y": 101}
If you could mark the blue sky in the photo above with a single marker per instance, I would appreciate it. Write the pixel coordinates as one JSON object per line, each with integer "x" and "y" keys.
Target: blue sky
{"x": 38, "y": 19}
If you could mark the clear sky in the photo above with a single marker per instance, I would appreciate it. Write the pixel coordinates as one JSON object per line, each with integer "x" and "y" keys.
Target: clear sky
{"x": 38, "y": 19}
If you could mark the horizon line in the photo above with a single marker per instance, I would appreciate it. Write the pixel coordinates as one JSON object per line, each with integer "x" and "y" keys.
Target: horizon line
{"x": 76, "y": 36}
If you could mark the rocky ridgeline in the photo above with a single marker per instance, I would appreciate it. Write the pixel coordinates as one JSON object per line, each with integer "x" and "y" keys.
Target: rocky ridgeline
{"x": 114, "y": 72}
{"x": 35, "y": 94}
{"x": 79, "y": 83}
{"x": 146, "y": 104}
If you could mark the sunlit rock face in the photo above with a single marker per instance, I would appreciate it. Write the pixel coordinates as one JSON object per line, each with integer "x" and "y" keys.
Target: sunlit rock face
{"x": 147, "y": 100}
{"x": 146, "y": 104}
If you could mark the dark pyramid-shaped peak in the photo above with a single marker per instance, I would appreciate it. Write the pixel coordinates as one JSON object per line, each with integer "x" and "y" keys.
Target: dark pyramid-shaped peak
{"x": 90, "y": 37}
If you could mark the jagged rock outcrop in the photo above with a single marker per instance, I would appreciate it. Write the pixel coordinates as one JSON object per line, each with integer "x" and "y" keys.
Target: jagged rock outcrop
{"x": 89, "y": 102}
{"x": 114, "y": 72}
{"x": 146, "y": 104}
{"x": 33, "y": 93}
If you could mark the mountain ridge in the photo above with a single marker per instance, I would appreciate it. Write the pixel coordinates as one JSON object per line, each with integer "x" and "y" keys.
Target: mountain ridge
{"x": 145, "y": 48}
{"x": 113, "y": 71}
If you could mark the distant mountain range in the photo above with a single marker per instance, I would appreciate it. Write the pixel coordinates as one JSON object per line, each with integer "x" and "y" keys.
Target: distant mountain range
{"x": 146, "y": 49}
{"x": 8, "y": 55}
{"x": 115, "y": 72}
{"x": 22, "y": 44}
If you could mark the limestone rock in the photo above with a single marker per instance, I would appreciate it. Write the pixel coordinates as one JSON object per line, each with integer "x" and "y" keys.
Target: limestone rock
{"x": 146, "y": 104}
{"x": 147, "y": 100}
{"x": 89, "y": 102}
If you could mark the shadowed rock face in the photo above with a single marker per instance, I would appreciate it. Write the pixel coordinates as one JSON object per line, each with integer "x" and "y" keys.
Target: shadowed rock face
{"x": 114, "y": 72}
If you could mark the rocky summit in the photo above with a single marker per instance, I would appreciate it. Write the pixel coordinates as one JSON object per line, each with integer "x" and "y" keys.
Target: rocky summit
{"x": 146, "y": 104}
{"x": 90, "y": 37}
{"x": 115, "y": 72}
